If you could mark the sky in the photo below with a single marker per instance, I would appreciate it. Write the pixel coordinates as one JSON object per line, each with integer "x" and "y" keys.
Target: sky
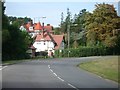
{"x": 36, "y": 9}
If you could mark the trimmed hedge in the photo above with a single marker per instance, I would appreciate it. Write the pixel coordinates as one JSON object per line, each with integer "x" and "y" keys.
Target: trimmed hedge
{"x": 86, "y": 51}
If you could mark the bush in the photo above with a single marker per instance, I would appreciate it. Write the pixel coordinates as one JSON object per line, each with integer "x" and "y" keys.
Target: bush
{"x": 85, "y": 51}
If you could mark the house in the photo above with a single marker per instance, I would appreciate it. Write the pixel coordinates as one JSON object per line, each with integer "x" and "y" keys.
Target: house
{"x": 48, "y": 42}
{"x": 45, "y": 40}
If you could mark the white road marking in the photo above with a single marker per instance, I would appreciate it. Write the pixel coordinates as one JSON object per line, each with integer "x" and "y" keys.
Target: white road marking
{"x": 55, "y": 74}
{"x": 99, "y": 76}
{"x": 51, "y": 70}
{"x": 48, "y": 66}
{"x": 3, "y": 67}
{"x": 60, "y": 79}
{"x": 72, "y": 86}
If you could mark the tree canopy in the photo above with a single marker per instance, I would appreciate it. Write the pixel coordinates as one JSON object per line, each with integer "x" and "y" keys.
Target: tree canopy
{"x": 94, "y": 29}
{"x": 101, "y": 24}
{"x": 14, "y": 42}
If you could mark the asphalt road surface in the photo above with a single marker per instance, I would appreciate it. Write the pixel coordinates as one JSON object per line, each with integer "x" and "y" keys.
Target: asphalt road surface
{"x": 53, "y": 73}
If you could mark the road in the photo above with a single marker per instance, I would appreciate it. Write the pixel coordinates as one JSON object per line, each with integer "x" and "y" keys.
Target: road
{"x": 53, "y": 73}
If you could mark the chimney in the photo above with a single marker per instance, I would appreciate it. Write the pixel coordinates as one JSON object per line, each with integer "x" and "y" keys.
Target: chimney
{"x": 42, "y": 30}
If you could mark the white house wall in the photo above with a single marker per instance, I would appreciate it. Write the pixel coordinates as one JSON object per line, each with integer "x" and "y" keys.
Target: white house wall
{"x": 43, "y": 46}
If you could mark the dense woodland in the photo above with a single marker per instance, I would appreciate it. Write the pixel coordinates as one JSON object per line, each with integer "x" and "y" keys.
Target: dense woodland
{"x": 96, "y": 33}
{"x": 101, "y": 28}
{"x": 14, "y": 42}
{"x": 92, "y": 29}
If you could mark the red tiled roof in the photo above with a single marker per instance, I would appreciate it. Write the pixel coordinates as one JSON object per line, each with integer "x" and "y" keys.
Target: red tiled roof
{"x": 58, "y": 39}
{"x": 37, "y": 26}
{"x": 38, "y": 37}
{"x": 46, "y": 37}
{"x": 48, "y": 28}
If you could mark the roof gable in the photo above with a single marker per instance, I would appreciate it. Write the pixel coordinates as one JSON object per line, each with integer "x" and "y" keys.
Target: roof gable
{"x": 37, "y": 26}
{"x": 41, "y": 38}
{"x": 58, "y": 39}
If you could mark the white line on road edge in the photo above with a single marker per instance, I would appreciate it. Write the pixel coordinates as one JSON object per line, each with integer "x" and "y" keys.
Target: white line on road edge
{"x": 3, "y": 67}
{"x": 99, "y": 76}
{"x": 51, "y": 70}
{"x": 60, "y": 79}
{"x": 55, "y": 74}
{"x": 48, "y": 66}
{"x": 73, "y": 86}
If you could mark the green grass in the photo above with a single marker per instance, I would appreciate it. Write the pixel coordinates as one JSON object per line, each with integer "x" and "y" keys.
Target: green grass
{"x": 105, "y": 67}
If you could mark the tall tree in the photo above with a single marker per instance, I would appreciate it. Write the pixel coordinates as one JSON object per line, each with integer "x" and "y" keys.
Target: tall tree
{"x": 14, "y": 42}
{"x": 78, "y": 27}
{"x": 62, "y": 26}
{"x": 18, "y": 21}
{"x": 67, "y": 21}
{"x": 101, "y": 24}
{"x": 5, "y": 24}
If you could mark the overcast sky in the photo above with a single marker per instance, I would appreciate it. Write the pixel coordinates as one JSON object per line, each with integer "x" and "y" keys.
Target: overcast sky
{"x": 51, "y": 10}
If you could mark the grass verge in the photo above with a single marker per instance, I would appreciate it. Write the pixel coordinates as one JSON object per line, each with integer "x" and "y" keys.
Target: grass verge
{"x": 104, "y": 67}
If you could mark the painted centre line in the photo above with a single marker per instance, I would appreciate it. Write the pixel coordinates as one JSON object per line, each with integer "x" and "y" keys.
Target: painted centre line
{"x": 51, "y": 70}
{"x": 3, "y": 67}
{"x": 62, "y": 79}
{"x": 48, "y": 66}
{"x": 72, "y": 86}
{"x": 55, "y": 74}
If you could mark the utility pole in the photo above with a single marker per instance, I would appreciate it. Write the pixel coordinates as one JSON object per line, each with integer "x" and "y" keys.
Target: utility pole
{"x": 68, "y": 30}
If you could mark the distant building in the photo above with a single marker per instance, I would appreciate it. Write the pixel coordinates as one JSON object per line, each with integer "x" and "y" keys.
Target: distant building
{"x": 48, "y": 42}
{"x": 44, "y": 38}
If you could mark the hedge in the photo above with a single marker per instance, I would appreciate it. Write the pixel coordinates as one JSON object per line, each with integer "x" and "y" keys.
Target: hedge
{"x": 86, "y": 51}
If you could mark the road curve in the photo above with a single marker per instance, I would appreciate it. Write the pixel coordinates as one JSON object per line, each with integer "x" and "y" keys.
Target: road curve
{"x": 53, "y": 73}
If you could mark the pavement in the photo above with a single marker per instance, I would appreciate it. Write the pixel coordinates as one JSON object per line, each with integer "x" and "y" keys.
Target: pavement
{"x": 53, "y": 73}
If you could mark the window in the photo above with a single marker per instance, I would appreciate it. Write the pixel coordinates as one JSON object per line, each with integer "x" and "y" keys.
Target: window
{"x": 38, "y": 43}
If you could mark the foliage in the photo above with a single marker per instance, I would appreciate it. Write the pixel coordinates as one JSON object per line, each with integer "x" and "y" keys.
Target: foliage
{"x": 15, "y": 47}
{"x": 92, "y": 29}
{"x": 77, "y": 28}
{"x": 14, "y": 42}
{"x": 18, "y": 21}
{"x": 87, "y": 51}
{"x": 57, "y": 30}
{"x": 100, "y": 25}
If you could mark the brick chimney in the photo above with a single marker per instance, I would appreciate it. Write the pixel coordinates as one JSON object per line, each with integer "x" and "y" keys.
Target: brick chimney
{"x": 42, "y": 30}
